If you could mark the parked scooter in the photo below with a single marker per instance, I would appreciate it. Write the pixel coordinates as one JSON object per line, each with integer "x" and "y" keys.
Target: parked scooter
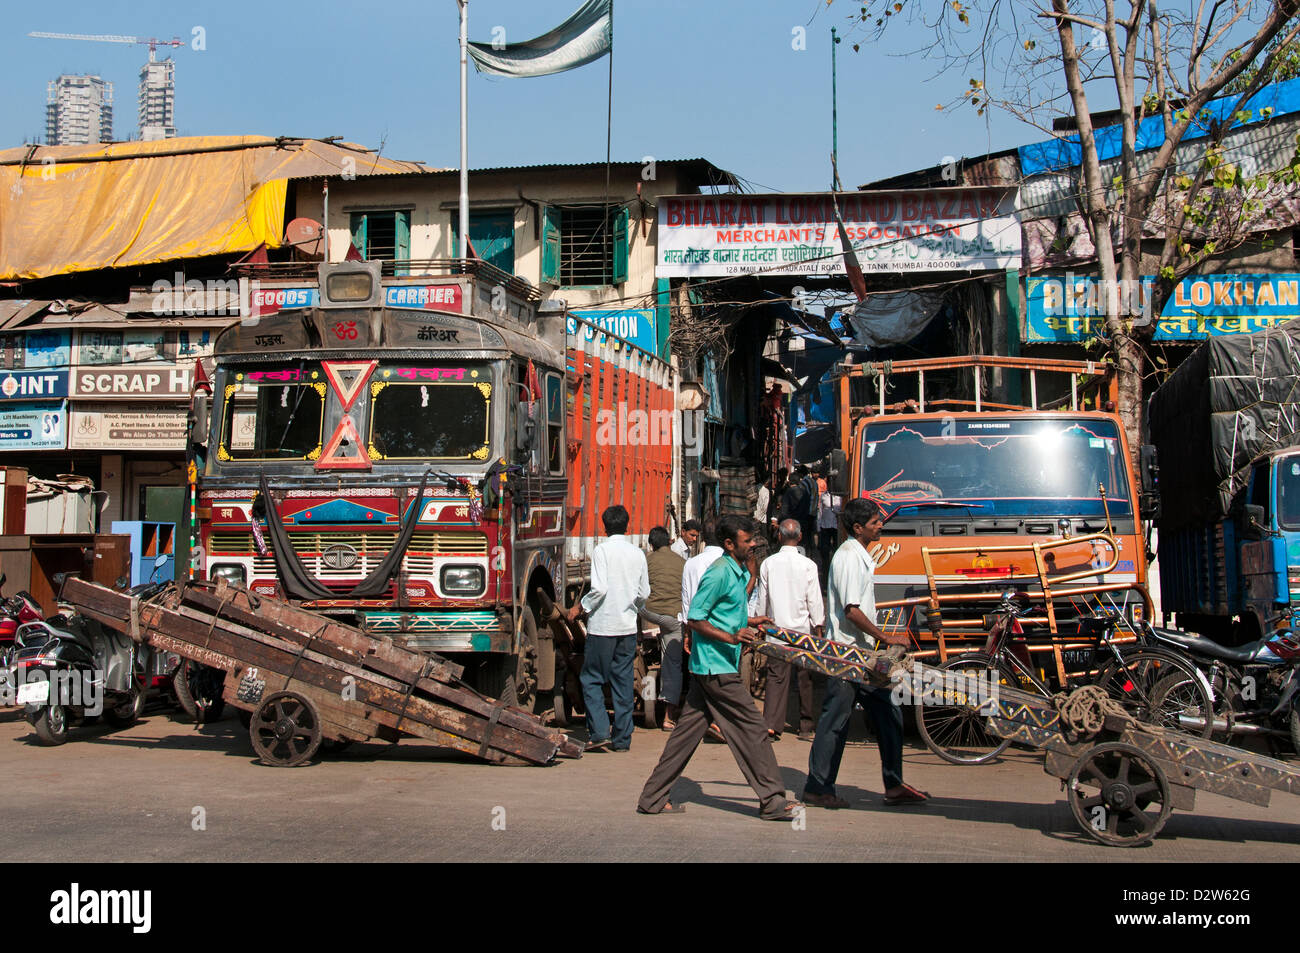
{"x": 15, "y": 610}
{"x": 69, "y": 668}
{"x": 1256, "y": 686}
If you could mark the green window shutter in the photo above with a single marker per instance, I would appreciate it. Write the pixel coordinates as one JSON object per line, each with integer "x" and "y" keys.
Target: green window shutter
{"x": 620, "y": 246}
{"x": 402, "y": 241}
{"x": 359, "y": 232}
{"x": 662, "y": 316}
{"x": 550, "y": 245}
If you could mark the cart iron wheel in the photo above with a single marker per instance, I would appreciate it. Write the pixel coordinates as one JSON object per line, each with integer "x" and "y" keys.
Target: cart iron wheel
{"x": 958, "y": 733}
{"x": 285, "y": 730}
{"x": 1118, "y": 795}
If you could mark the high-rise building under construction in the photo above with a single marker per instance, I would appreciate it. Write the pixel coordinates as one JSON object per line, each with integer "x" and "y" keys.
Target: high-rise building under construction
{"x": 158, "y": 99}
{"x": 78, "y": 111}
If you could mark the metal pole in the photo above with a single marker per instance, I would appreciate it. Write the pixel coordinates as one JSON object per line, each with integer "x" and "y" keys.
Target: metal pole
{"x": 464, "y": 133}
{"x": 835, "y": 128}
{"x": 325, "y": 230}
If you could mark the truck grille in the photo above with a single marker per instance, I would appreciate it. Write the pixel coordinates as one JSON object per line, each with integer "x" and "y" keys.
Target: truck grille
{"x": 371, "y": 549}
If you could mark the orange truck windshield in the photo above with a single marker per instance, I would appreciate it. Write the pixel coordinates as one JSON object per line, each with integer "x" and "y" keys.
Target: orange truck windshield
{"x": 995, "y": 466}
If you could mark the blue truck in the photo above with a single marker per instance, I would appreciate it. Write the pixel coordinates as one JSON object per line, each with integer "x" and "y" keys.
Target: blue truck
{"x": 1222, "y": 481}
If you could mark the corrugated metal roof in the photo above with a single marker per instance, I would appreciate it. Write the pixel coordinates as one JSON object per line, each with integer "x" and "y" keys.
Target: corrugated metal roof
{"x": 707, "y": 169}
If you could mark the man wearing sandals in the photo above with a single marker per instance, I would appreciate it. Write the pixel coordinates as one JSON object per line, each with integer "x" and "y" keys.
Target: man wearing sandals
{"x": 719, "y": 615}
{"x": 851, "y": 617}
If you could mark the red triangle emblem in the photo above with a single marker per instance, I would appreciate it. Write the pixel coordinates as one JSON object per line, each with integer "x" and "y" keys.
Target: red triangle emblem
{"x": 344, "y": 450}
{"x": 348, "y": 378}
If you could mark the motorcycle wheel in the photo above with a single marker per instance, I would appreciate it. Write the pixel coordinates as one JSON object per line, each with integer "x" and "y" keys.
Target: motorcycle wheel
{"x": 128, "y": 713}
{"x": 51, "y": 725}
{"x": 198, "y": 690}
{"x": 1294, "y": 723}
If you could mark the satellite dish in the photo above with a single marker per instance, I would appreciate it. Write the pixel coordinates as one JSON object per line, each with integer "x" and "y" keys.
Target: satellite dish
{"x": 305, "y": 234}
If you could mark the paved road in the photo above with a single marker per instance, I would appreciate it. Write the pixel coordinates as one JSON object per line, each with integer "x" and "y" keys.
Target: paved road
{"x": 133, "y": 795}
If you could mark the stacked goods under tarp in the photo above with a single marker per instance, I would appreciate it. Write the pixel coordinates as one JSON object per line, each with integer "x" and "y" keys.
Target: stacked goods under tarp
{"x": 347, "y": 685}
{"x": 1235, "y": 397}
{"x": 738, "y": 493}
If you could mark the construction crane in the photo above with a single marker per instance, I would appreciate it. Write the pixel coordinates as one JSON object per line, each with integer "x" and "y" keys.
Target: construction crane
{"x": 152, "y": 42}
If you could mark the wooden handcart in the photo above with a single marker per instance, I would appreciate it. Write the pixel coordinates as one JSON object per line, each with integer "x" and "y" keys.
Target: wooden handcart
{"x": 1122, "y": 777}
{"x": 304, "y": 679}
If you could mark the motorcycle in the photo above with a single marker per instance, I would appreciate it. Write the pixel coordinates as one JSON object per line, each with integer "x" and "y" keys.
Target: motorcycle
{"x": 15, "y": 610}
{"x": 69, "y": 669}
{"x": 1256, "y": 686}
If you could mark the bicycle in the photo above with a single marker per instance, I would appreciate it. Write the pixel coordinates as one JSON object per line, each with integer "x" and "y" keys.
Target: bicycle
{"x": 1157, "y": 685}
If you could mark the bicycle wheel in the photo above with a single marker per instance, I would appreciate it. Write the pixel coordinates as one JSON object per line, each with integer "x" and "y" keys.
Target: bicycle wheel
{"x": 959, "y": 733}
{"x": 1183, "y": 704}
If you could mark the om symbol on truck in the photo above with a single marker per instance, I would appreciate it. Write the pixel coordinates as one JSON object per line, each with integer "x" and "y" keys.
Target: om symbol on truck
{"x": 346, "y": 330}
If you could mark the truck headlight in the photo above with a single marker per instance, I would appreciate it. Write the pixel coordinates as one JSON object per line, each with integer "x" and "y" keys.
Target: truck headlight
{"x": 233, "y": 573}
{"x": 463, "y": 580}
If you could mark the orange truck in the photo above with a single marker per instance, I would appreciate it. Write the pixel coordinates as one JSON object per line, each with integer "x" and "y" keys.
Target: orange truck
{"x": 982, "y": 496}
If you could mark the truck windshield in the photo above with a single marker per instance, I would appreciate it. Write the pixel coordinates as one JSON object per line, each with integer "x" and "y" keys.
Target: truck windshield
{"x": 997, "y": 466}
{"x": 273, "y": 414}
{"x": 1288, "y": 492}
{"x": 430, "y": 412}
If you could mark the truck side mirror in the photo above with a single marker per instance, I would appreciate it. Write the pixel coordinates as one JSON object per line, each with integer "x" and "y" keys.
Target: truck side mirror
{"x": 838, "y": 476}
{"x": 1149, "y": 462}
{"x": 199, "y": 419}
{"x": 1252, "y": 522}
{"x": 525, "y": 430}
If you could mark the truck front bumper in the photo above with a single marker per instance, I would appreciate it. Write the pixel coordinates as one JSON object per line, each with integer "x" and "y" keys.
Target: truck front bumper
{"x": 469, "y": 631}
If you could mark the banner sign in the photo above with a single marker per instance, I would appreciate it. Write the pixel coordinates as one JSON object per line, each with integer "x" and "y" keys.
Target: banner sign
{"x": 428, "y": 297}
{"x": 1071, "y": 307}
{"x": 47, "y": 349}
{"x": 634, "y": 325}
{"x": 144, "y": 427}
{"x": 31, "y": 385}
{"x": 270, "y": 300}
{"x": 34, "y": 426}
{"x": 147, "y": 380}
{"x": 972, "y": 229}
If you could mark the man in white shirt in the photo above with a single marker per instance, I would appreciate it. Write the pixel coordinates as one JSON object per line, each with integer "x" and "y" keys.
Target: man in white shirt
{"x": 790, "y": 592}
{"x": 684, "y": 543}
{"x": 851, "y": 614}
{"x": 620, "y": 585}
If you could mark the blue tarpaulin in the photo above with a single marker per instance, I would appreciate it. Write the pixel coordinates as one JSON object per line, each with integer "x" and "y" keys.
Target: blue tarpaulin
{"x": 1065, "y": 153}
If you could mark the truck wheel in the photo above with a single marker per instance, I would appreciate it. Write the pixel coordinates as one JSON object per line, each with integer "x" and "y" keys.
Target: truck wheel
{"x": 198, "y": 691}
{"x": 51, "y": 725}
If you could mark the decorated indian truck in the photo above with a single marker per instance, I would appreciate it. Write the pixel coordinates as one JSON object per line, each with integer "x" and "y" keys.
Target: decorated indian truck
{"x": 1036, "y": 494}
{"x": 425, "y": 456}
{"x": 1224, "y": 466}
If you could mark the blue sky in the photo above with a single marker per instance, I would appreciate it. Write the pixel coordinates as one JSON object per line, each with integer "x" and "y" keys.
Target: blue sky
{"x": 714, "y": 78}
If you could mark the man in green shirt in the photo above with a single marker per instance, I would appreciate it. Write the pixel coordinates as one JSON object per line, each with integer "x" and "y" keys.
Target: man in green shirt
{"x": 720, "y": 623}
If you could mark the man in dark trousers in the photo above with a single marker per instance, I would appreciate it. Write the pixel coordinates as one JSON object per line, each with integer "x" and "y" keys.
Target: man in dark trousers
{"x": 720, "y": 622}
{"x": 851, "y": 619}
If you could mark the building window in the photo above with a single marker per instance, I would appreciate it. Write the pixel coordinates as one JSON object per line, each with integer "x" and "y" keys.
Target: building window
{"x": 492, "y": 233}
{"x": 382, "y": 236}
{"x": 585, "y": 245}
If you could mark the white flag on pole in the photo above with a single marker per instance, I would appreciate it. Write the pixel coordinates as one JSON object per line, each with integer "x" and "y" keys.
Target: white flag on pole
{"x": 584, "y": 37}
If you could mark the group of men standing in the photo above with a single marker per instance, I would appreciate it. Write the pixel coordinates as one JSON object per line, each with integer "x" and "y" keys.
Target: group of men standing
{"x": 719, "y": 610}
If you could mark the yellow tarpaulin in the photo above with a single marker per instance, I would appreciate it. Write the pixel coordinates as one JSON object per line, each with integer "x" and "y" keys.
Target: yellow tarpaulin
{"x": 78, "y": 208}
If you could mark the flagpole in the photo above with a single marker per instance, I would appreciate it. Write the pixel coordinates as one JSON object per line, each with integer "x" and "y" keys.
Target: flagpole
{"x": 464, "y": 132}
{"x": 609, "y": 125}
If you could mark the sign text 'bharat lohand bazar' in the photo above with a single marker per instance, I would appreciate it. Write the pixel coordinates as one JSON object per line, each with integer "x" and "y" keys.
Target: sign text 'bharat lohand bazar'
{"x": 922, "y": 230}
{"x": 1073, "y": 307}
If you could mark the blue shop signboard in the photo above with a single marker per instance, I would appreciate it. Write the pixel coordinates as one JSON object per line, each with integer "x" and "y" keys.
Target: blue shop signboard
{"x": 27, "y": 426}
{"x": 47, "y": 349}
{"x": 1071, "y": 307}
{"x": 634, "y": 325}
{"x": 33, "y": 385}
